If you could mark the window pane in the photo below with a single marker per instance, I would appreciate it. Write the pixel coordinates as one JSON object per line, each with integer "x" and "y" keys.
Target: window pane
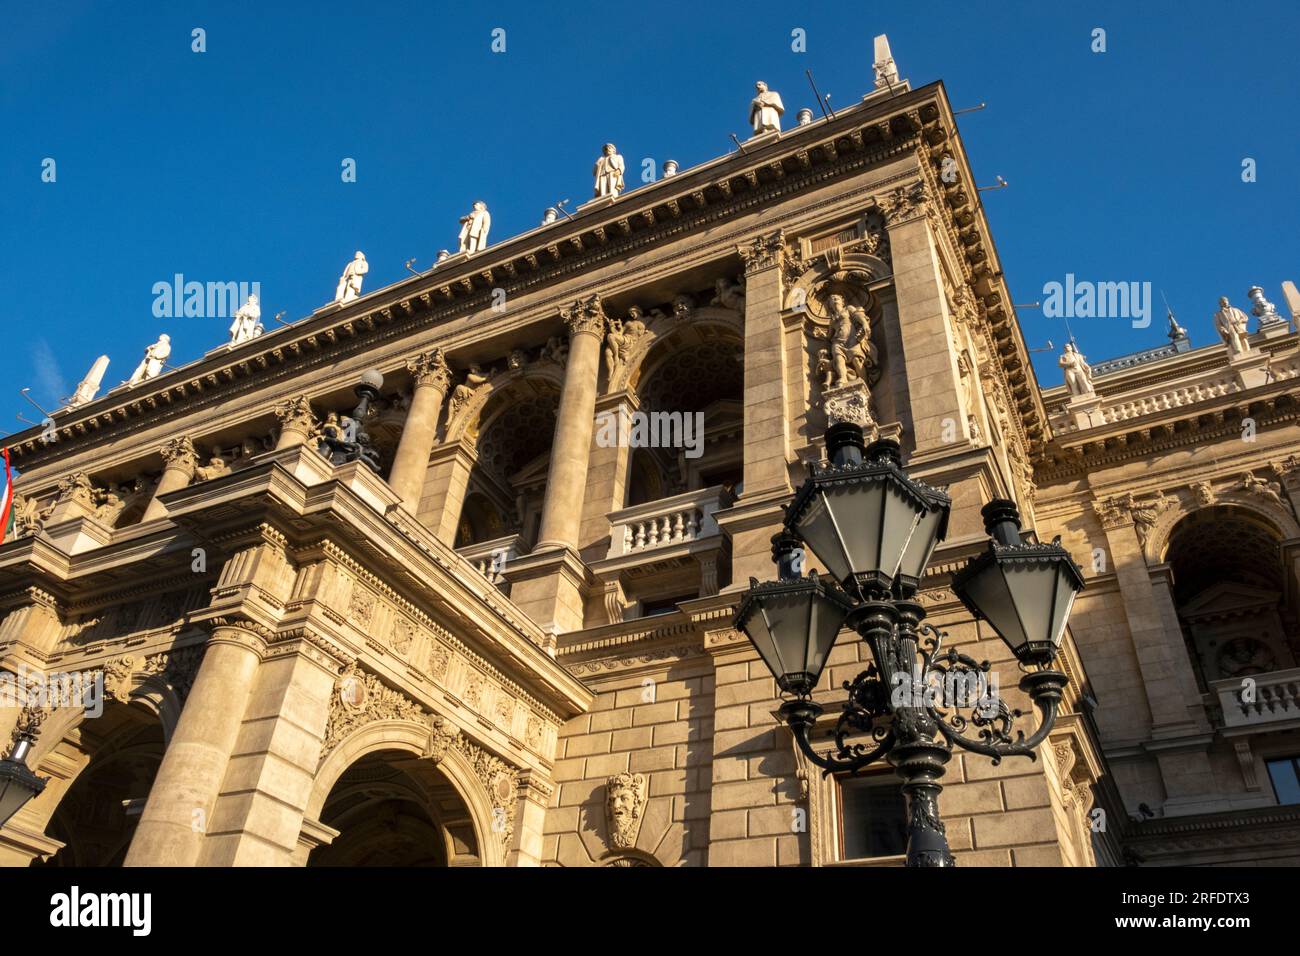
{"x": 1286, "y": 784}
{"x": 873, "y": 817}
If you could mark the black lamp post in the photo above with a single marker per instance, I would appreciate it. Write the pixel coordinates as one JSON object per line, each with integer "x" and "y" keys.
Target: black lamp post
{"x": 17, "y": 782}
{"x": 875, "y": 529}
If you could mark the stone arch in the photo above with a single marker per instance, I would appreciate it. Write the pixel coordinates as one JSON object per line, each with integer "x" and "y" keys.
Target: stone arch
{"x": 832, "y": 270}
{"x": 665, "y": 329}
{"x": 523, "y": 383}
{"x": 1156, "y": 546}
{"x": 413, "y": 738}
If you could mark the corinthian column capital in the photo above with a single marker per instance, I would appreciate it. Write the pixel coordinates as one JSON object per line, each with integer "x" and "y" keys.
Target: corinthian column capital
{"x": 904, "y": 203}
{"x": 430, "y": 369}
{"x": 763, "y": 252}
{"x": 180, "y": 453}
{"x": 585, "y": 316}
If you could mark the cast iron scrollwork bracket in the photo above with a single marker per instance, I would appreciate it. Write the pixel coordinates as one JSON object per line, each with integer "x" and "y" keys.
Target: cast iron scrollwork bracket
{"x": 989, "y": 714}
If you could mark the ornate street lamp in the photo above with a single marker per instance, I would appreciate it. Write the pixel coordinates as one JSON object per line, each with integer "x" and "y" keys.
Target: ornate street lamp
{"x": 17, "y": 783}
{"x": 875, "y": 529}
{"x": 348, "y": 440}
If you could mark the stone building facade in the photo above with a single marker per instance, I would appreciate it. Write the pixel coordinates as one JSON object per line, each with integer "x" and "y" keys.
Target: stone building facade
{"x": 513, "y": 643}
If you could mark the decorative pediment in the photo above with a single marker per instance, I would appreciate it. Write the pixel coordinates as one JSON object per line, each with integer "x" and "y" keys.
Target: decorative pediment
{"x": 1229, "y": 599}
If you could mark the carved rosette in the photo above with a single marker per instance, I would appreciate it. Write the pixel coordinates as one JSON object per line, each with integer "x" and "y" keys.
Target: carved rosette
{"x": 585, "y": 316}
{"x": 625, "y": 801}
{"x": 179, "y": 453}
{"x": 296, "y": 415}
{"x": 764, "y": 252}
{"x": 904, "y": 203}
{"x": 430, "y": 370}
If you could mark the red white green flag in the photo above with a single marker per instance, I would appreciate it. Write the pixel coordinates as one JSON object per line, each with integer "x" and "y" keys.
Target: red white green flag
{"x": 6, "y": 500}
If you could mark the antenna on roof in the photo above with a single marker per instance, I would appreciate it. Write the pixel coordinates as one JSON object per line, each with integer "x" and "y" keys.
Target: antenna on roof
{"x": 1001, "y": 184}
{"x": 23, "y": 392}
{"x": 278, "y": 318}
{"x": 19, "y": 416}
{"x": 1049, "y": 347}
{"x": 560, "y": 206}
{"x": 737, "y": 142}
{"x": 823, "y": 102}
{"x": 969, "y": 109}
{"x": 409, "y": 269}
{"x": 1026, "y": 305}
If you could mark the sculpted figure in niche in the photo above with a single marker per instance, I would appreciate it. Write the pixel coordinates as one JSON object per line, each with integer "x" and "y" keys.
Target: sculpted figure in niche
{"x": 625, "y": 800}
{"x": 1078, "y": 373}
{"x": 850, "y": 334}
{"x": 1230, "y": 322}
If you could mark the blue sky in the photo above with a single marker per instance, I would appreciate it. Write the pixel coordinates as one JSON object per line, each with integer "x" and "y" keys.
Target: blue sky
{"x": 225, "y": 165}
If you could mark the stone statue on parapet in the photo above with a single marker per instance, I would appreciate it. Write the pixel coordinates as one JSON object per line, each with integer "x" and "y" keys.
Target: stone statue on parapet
{"x": 1231, "y": 324}
{"x": 350, "y": 282}
{"x": 608, "y": 172}
{"x": 474, "y": 228}
{"x": 765, "y": 110}
{"x": 1078, "y": 373}
{"x": 151, "y": 365}
{"x": 247, "y": 323}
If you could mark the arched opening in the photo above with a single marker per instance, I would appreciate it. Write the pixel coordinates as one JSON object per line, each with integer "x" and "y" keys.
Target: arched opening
{"x": 119, "y": 753}
{"x": 508, "y": 481}
{"x": 1234, "y": 596}
{"x": 393, "y": 808}
{"x": 691, "y": 410}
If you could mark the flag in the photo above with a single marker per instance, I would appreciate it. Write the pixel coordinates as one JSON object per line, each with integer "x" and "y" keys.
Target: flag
{"x": 6, "y": 500}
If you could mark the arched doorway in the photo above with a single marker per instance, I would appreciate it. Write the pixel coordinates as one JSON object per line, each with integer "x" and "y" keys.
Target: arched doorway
{"x": 392, "y": 808}
{"x": 118, "y": 754}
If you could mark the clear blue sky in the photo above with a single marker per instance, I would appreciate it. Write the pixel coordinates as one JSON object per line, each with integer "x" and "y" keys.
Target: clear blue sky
{"x": 225, "y": 165}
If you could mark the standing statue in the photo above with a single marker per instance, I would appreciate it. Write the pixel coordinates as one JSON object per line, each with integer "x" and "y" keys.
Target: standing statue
{"x": 248, "y": 322}
{"x": 616, "y": 347}
{"x": 350, "y": 282}
{"x": 608, "y": 172}
{"x": 765, "y": 110}
{"x": 1078, "y": 373}
{"x": 474, "y": 228}
{"x": 151, "y": 365}
{"x": 850, "y": 335}
{"x": 1230, "y": 322}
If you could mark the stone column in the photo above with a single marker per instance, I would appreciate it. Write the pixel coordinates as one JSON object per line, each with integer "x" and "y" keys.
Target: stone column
{"x": 411, "y": 463}
{"x": 444, "y": 490}
{"x": 534, "y": 794}
{"x": 1180, "y": 731}
{"x": 757, "y": 514}
{"x": 181, "y": 800}
{"x": 257, "y": 819}
{"x": 297, "y": 422}
{"x": 566, "y": 479}
{"x": 548, "y": 584}
{"x": 181, "y": 461}
{"x": 930, "y": 364}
